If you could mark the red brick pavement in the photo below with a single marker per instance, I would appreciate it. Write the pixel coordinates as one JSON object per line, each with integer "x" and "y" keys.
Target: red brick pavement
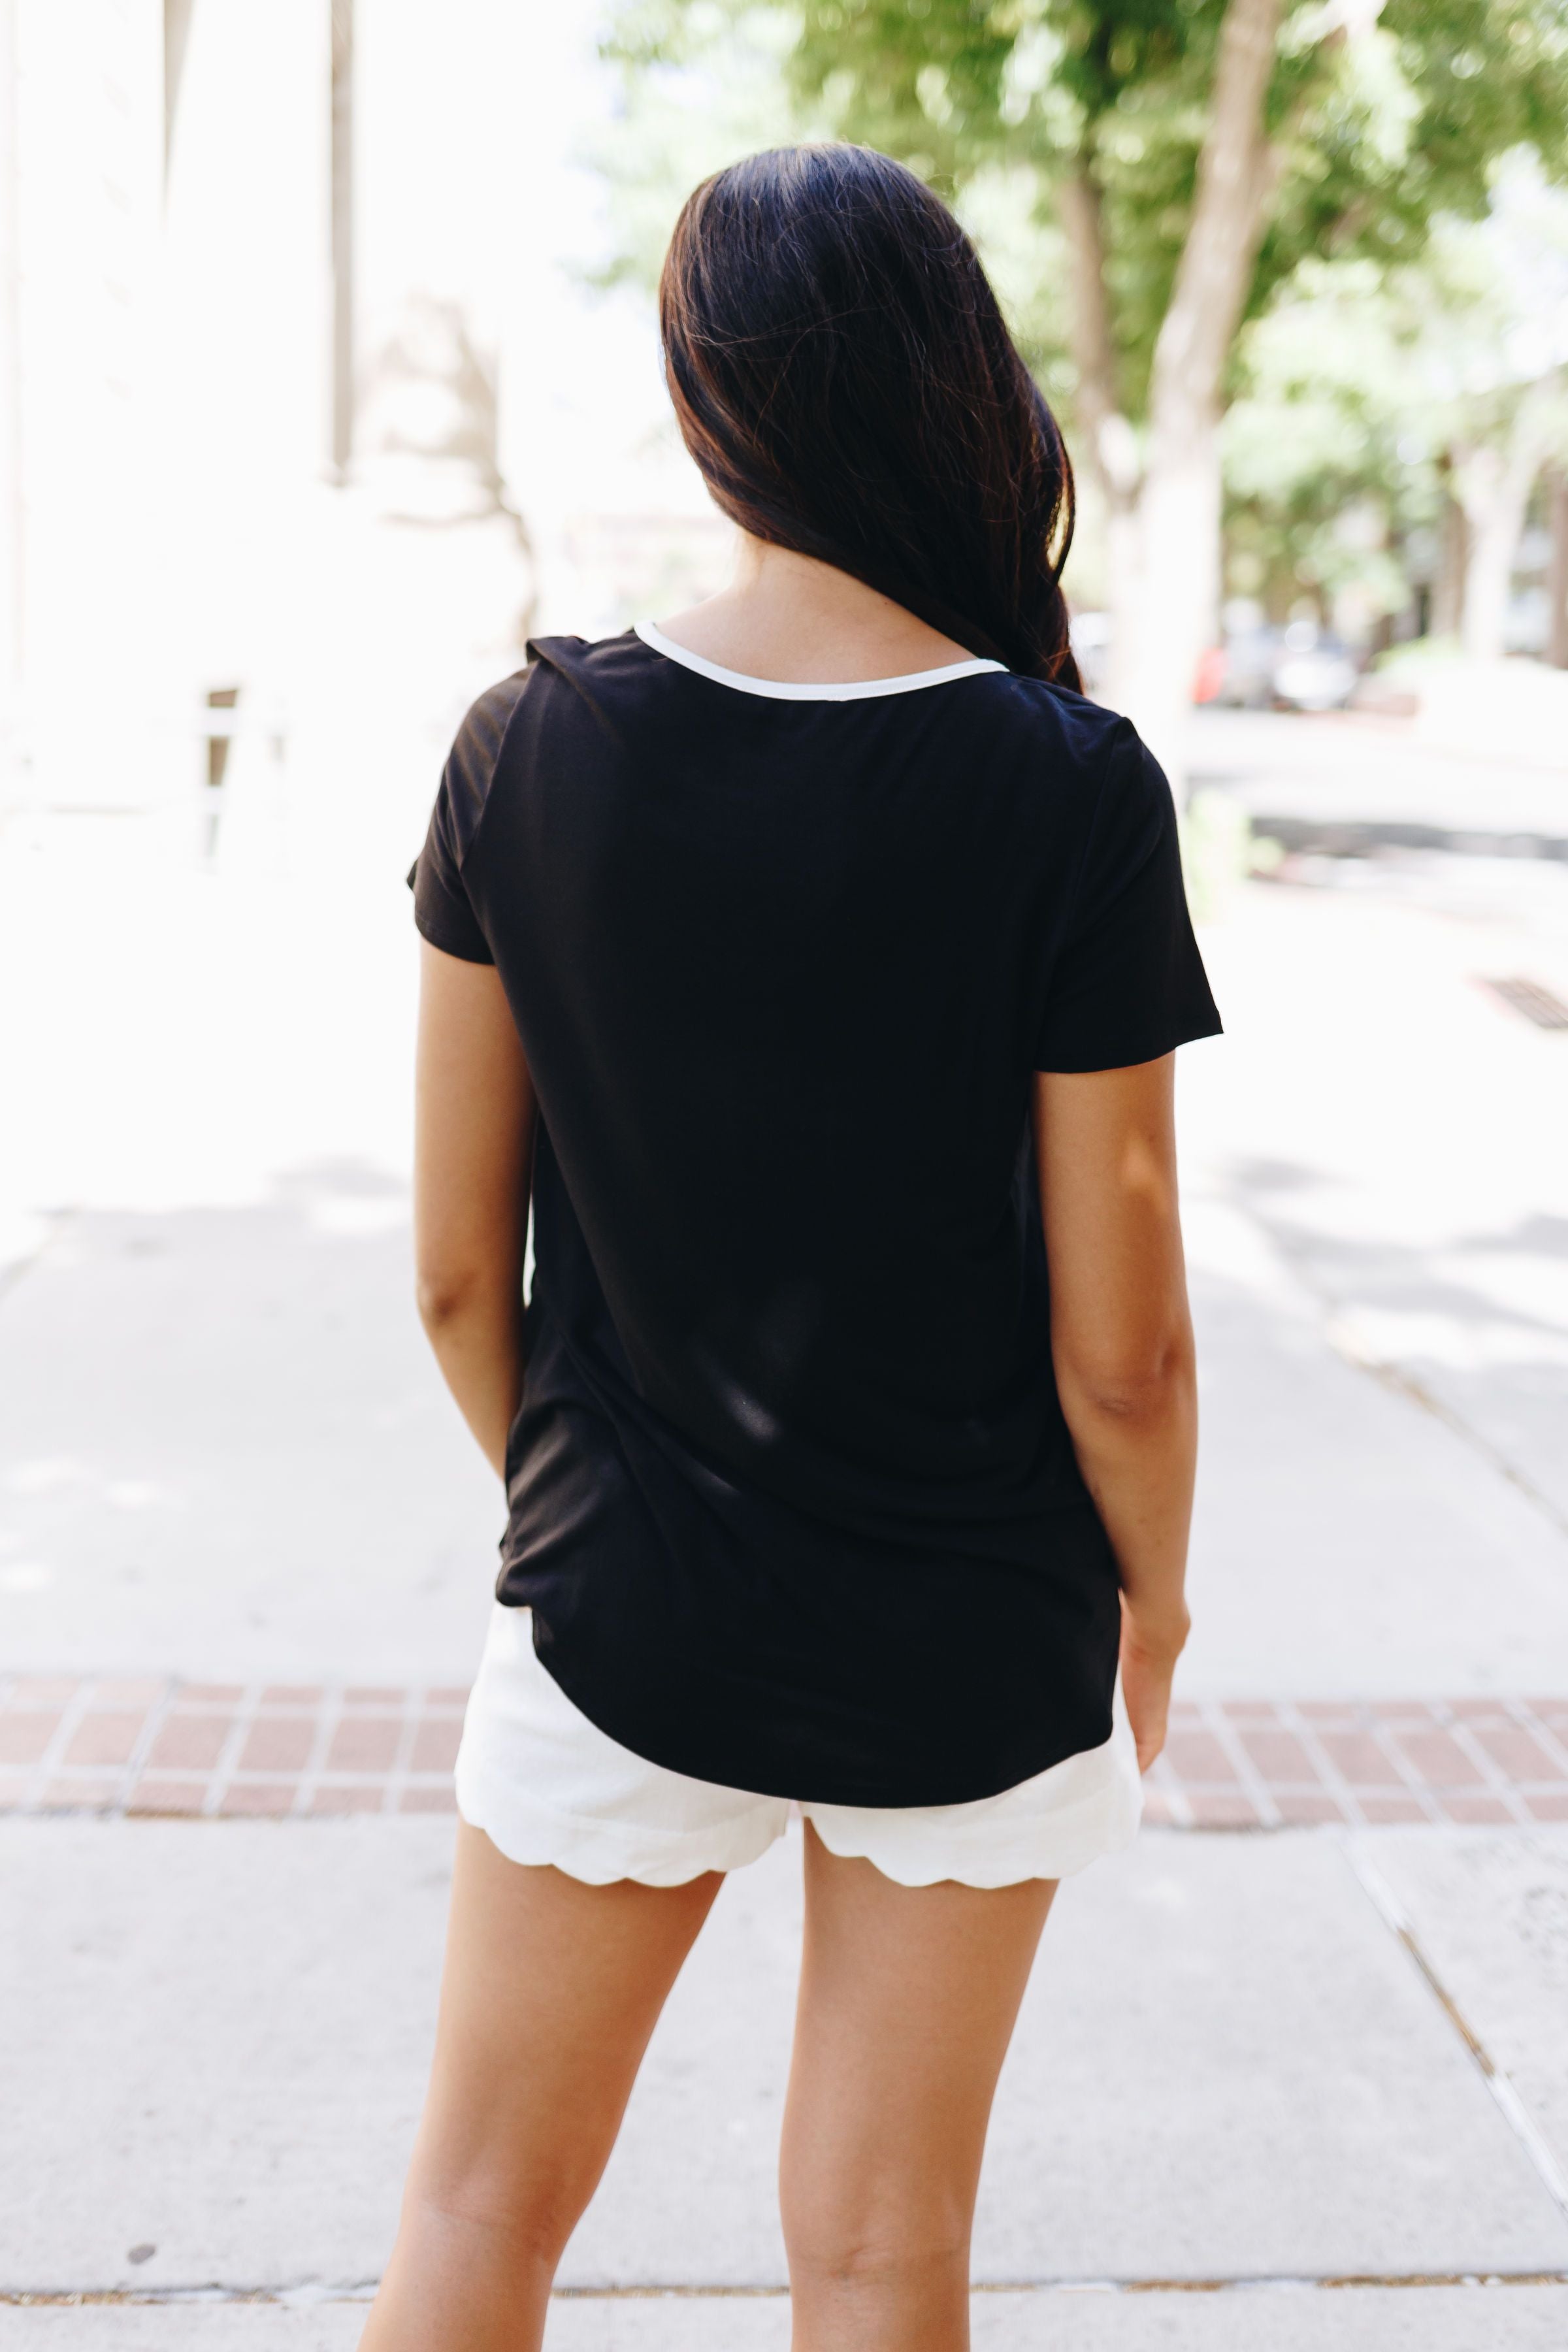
{"x": 159, "y": 1746}
{"x": 151, "y": 1745}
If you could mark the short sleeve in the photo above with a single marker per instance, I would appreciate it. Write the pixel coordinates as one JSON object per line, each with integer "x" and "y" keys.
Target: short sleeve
{"x": 1129, "y": 983}
{"x": 442, "y": 909}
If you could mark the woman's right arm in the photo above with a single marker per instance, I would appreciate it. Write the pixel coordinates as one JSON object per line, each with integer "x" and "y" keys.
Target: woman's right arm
{"x": 1122, "y": 1339}
{"x": 473, "y": 1150}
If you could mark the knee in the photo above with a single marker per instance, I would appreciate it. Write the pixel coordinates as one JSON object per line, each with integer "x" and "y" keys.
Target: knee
{"x": 525, "y": 2221}
{"x": 873, "y": 2263}
{"x": 874, "y": 2237}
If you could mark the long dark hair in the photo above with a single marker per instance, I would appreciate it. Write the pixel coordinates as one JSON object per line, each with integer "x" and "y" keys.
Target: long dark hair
{"x": 845, "y": 380}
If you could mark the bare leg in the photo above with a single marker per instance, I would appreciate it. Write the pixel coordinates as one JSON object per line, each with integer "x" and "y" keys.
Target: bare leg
{"x": 550, "y": 1991}
{"x": 908, "y": 1997}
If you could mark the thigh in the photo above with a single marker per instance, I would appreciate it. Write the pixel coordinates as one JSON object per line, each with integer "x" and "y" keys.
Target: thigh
{"x": 551, "y": 1990}
{"x": 908, "y": 1999}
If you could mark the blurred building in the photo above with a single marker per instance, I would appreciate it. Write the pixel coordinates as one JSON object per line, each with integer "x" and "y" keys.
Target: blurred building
{"x": 81, "y": 187}
{"x": 305, "y": 410}
{"x": 167, "y": 363}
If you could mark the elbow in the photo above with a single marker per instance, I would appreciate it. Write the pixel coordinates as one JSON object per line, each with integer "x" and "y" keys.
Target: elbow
{"x": 444, "y": 1296}
{"x": 1133, "y": 1389}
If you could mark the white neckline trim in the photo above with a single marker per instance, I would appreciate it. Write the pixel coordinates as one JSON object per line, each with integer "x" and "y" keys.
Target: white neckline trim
{"x": 778, "y": 691}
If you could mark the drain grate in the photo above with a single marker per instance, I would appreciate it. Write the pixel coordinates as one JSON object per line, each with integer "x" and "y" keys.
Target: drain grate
{"x": 1536, "y": 1003}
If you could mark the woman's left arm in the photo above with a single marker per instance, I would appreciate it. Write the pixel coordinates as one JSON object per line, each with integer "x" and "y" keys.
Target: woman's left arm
{"x": 473, "y": 1153}
{"x": 1122, "y": 1339}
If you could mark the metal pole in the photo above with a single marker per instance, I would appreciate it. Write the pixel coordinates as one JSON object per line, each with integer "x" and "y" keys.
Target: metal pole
{"x": 176, "y": 37}
{"x": 342, "y": 201}
{"x": 13, "y": 497}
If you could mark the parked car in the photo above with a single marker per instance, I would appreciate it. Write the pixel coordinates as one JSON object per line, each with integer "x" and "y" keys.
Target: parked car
{"x": 1090, "y": 638}
{"x": 1239, "y": 674}
{"x": 1301, "y": 667}
{"x": 1315, "y": 671}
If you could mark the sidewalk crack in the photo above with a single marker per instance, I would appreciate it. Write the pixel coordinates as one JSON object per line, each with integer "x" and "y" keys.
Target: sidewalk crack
{"x": 1521, "y": 2122}
{"x": 314, "y": 2294}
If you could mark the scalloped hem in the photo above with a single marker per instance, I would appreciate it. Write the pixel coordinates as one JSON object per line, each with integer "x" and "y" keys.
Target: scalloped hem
{"x": 602, "y": 1852}
{"x": 984, "y": 1853}
{"x": 548, "y": 1788}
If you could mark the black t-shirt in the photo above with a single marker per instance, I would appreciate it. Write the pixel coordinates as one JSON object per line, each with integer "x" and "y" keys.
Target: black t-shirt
{"x": 791, "y": 1496}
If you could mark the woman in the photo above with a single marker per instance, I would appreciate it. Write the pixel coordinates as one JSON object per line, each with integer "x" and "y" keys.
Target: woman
{"x": 813, "y": 964}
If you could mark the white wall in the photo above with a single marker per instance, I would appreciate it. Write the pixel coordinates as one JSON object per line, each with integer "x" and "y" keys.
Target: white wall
{"x": 87, "y": 107}
{"x": 181, "y": 527}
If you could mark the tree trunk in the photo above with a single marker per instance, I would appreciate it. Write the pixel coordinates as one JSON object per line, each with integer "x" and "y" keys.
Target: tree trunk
{"x": 1494, "y": 484}
{"x": 1173, "y": 599}
{"x": 1557, "y": 578}
{"x": 1453, "y": 553}
{"x": 1108, "y": 437}
{"x": 1173, "y": 594}
{"x": 1108, "y": 441}
{"x": 1495, "y": 511}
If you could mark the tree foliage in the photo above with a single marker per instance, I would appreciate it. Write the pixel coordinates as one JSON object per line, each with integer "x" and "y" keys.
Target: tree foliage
{"x": 1381, "y": 126}
{"x": 702, "y": 82}
{"x": 1069, "y": 138}
{"x": 1370, "y": 397}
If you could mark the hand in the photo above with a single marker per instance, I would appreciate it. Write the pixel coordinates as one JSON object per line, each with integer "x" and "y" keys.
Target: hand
{"x": 1149, "y": 1654}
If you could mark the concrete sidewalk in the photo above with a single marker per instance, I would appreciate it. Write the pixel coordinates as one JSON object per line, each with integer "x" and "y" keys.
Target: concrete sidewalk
{"x": 1355, "y": 2319}
{"x": 227, "y": 1454}
{"x": 1304, "y": 2087}
{"x": 1253, "y": 2066}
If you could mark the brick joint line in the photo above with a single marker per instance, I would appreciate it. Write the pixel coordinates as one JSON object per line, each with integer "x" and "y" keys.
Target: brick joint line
{"x": 1264, "y": 1765}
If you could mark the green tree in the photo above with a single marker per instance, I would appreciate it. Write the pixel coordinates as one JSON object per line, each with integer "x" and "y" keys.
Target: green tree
{"x": 1378, "y": 401}
{"x": 1330, "y": 472}
{"x": 1189, "y": 156}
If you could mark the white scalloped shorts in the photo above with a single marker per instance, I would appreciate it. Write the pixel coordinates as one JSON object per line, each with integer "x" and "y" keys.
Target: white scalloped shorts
{"x": 548, "y": 1786}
